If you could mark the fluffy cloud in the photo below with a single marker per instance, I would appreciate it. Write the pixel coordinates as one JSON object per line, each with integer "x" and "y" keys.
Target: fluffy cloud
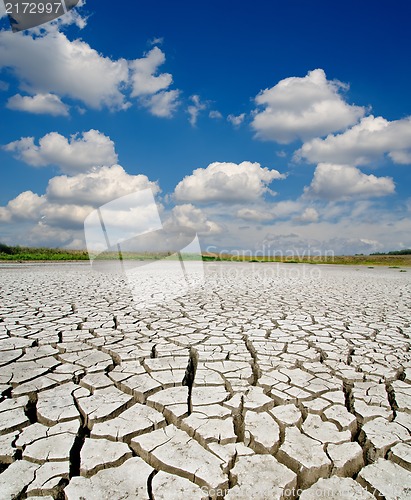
{"x": 150, "y": 88}
{"x": 263, "y": 211}
{"x": 226, "y": 182}
{"x": 77, "y": 154}
{"x": 236, "y": 121}
{"x": 310, "y": 214}
{"x": 47, "y": 63}
{"x": 96, "y": 188}
{"x": 66, "y": 217}
{"x": 157, "y": 40}
{"x": 343, "y": 182}
{"x": 190, "y": 217}
{"x": 305, "y": 243}
{"x": 25, "y": 206}
{"x": 48, "y": 104}
{"x": 363, "y": 143}
{"x": 69, "y": 200}
{"x": 194, "y": 109}
{"x": 285, "y": 208}
{"x": 302, "y": 108}
{"x": 255, "y": 215}
{"x": 162, "y": 104}
{"x": 53, "y": 64}
{"x": 73, "y": 16}
{"x": 378, "y": 227}
{"x": 215, "y": 115}
{"x": 143, "y": 71}
{"x": 270, "y": 211}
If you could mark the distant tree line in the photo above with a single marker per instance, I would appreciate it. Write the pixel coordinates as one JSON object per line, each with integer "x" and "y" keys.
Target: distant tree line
{"x": 406, "y": 251}
{"x": 8, "y": 250}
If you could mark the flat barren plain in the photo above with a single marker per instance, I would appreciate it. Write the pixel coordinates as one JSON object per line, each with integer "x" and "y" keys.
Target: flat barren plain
{"x": 267, "y": 381}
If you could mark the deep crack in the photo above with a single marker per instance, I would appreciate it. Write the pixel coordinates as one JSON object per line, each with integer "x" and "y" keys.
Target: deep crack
{"x": 254, "y": 360}
{"x": 189, "y": 377}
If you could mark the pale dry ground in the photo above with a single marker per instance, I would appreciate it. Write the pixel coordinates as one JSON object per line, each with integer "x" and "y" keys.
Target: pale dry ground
{"x": 269, "y": 381}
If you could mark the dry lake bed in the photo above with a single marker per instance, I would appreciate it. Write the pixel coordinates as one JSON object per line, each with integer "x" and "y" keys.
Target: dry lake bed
{"x": 267, "y": 381}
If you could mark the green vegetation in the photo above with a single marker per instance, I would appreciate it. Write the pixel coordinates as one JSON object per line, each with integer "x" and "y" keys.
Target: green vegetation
{"x": 212, "y": 258}
{"x": 394, "y": 260}
{"x": 18, "y": 253}
{"x": 406, "y": 251}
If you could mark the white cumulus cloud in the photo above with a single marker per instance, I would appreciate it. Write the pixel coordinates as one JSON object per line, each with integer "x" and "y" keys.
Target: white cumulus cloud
{"x": 143, "y": 74}
{"x": 162, "y": 104}
{"x": 310, "y": 214}
{"x": 215, "y": 115}
{"x": 73, "y": 155}
{"x": 46, "y": 63}
{"x": 25, "y": 206}
{"x": 48, "y": 104}
{"x": 190, "y": 217}
{"x": 344, "y": 182}
{"x": 302, "y": 108}
{"x": 53, "y": 64}
{"x": 226, "y": 182}
{"x": 96, "y": 188}
{"x": 254, "y": 215}
{"x": 236, "y": 121}
{"x": 69, "y": 200}
{"x": 159, "y": 40}
{"x": 194, "y": 109}
{"x": 150, "y": 88}
{"x": 365, "y": 142}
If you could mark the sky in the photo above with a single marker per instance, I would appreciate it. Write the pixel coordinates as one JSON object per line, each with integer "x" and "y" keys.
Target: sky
{"x": 265, "y": 126}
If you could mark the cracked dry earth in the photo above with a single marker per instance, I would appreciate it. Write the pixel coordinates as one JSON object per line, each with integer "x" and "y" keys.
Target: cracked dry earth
{"x": 268, "y": 382}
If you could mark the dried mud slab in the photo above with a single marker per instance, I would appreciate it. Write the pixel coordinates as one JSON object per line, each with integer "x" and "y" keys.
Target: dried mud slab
{"x": 265, "y": 382}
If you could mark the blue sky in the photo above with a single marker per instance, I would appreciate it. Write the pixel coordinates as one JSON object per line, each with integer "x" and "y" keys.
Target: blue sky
{"x": 260, "y": 125}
